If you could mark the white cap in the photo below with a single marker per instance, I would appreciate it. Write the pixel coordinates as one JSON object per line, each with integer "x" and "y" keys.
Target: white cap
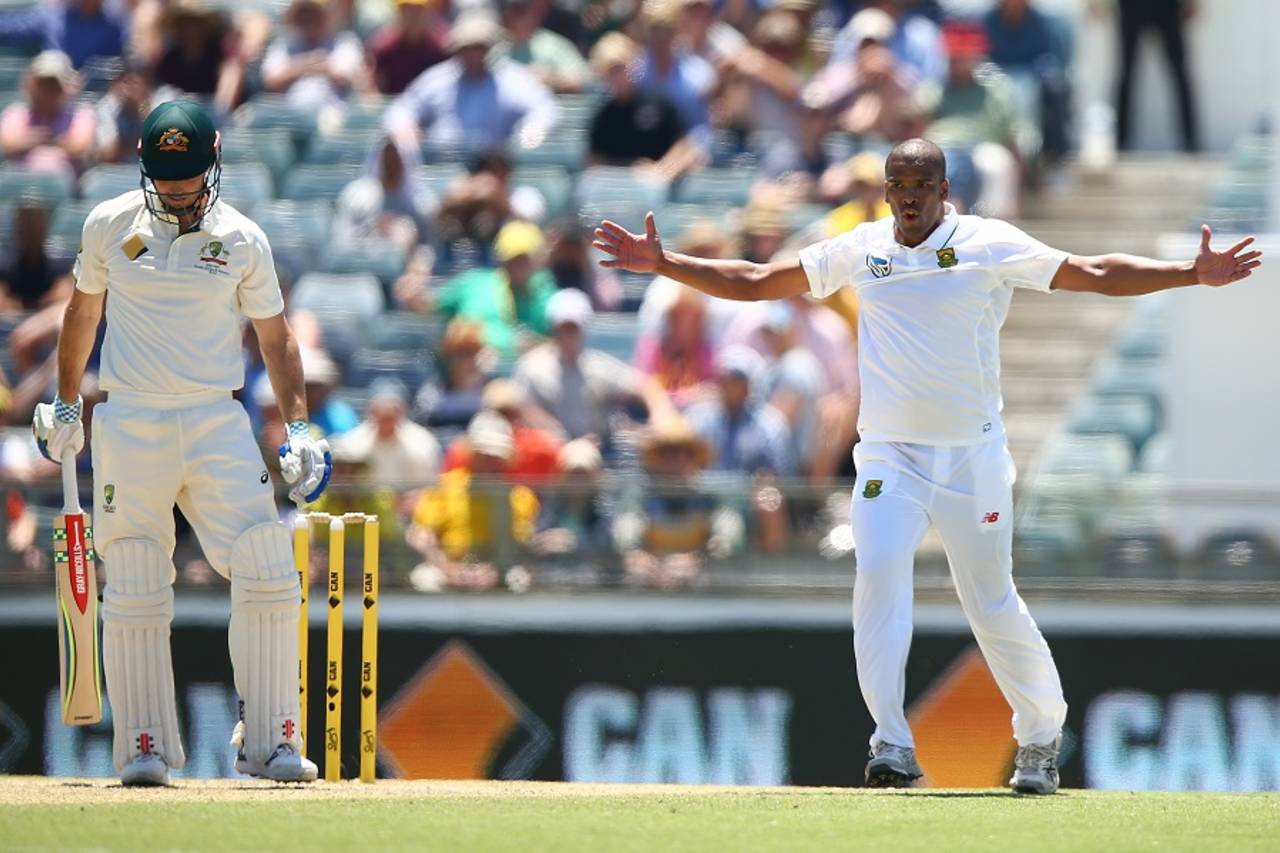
{"x": 55, "y": 64}
{"x": 873, "y": 24}
{"x": 317, "y": 367}
{"x": 742, "y": 360}
{"x": 489, "y": 434}
{"x": 569, "y": 306}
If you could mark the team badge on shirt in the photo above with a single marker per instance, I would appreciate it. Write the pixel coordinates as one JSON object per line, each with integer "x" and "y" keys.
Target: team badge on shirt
{"x": 214, "y": 253}
{"x": 879, "y": 265}
{"x": 947, "y": 258}
{"x": 173, "y": 140}
{"x": 872, "y": 489}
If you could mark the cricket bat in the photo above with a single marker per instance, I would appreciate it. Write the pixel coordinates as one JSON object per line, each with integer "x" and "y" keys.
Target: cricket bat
{"x": 78, "y": 664}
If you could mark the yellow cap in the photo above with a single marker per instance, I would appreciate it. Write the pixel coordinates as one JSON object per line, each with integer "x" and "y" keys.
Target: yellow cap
{"x": 516, "y": 239}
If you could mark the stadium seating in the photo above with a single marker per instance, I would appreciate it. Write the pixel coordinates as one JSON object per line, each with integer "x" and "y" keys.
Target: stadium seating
{"x": 716, "y": 186}
{"x": 271, "y": 146}
{"x": 312, "y": 183}
{"x": 1131, "y": 416}
{"x": 45, "y": 188}
{"x": 384, "y": 260}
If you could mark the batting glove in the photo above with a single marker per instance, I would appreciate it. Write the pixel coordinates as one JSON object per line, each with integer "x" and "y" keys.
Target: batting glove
{"x": 57, "y": 426}
{"x": 305, "y": 462}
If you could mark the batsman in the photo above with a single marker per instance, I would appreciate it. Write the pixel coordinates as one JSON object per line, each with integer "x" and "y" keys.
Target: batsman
{"x": 176, "y": 270}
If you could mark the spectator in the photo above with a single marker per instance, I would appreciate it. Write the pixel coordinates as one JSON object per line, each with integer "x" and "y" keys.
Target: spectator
{"x": 570, "y": 264}
{"x": 533, "y": 460}
{"x": 680, "y": 356}
{"x": 793, "y": 382}
{"x": 977, "y": 113}
{"x": 1033, "y": 49}
{"x": 475, "y": 207}
{"x": 861, "y": 182}
{"x": 914, "y": 39}
{"x": 315, "y": 65}
{"x": 198, "y": 53}
{"x": 455, "y": 523}
{"x": 677, "y": 523}
{"x": 575, "y": 385}
{"x": 633, "y": 127}
{"x": 120, "y": 114}
{"x": 703, "y": 239}
{"x": 85, "y": 29}
{"x": 464, "y": 101}
{"x": 872, "y": 91}
{"x": 766, "y": 226}
{"x": 552, "y": 57}
{"x": 510, "y": 299}
{"x": 48, "y": 132}
{"x": 388, "y": 203}
{"x": 709, "y": 36}
{"x": 1167, "y": 18}
{"x": 765, "y": 78}
{"x": 319, "y": 376}
{"x": 415, "y": 41}
{"x": 29, "y": 278}
{"x": 467, "y": 364}
{"x": 745, "y": 435}
{"x": 577, "y": 518}
{"x": 684, "y": 79}
{"x": 400, "y": 453}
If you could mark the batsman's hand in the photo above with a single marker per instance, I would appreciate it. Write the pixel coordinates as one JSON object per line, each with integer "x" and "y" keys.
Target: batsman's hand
{"x": 306, "y": 463}
{"x": 57, "y": 426}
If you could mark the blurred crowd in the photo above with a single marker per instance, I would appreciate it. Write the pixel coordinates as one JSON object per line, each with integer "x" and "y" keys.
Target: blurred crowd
{"x": 432, "y": 174}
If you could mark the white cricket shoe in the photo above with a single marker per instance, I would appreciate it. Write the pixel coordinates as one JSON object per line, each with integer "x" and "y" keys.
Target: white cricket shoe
{"x": 283, "y": 765}
{"x": 892, "y": 766}
{"x": 145, "y": 771}
{"x": 1035, "y": 769}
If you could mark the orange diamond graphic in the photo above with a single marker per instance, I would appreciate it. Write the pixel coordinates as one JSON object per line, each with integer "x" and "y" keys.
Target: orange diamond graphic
{"x": 450, "y": 721}
{"x": 961, "y": 726}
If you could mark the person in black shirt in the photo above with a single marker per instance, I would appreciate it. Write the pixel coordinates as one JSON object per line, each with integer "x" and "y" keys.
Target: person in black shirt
{"x": 634, "y": 128}
{"x": 29, "y": 278}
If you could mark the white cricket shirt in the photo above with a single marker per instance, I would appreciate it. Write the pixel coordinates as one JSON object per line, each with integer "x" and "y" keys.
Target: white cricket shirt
{"x": 174, "y": 302}
{"x": 929, "y": 321}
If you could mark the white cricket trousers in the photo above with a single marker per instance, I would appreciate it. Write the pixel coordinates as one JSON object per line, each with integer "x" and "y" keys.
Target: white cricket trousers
{"x": 967, "y": 492}
{"x": 150, "y": 452}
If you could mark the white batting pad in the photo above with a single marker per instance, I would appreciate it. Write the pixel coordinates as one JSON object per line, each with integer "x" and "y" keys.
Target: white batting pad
{"x": 137, "y": 607}
{"x": 264, "y": 638}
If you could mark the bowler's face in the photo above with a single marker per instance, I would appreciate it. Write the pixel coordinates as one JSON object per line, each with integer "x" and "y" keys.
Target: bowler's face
{"x": 915, "y": 193}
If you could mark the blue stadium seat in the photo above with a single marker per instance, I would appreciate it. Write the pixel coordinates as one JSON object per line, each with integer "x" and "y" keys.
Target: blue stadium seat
{"x": 378, "y": 258}
{"x": 347, "y": 306}
{"x": 1238, "y": 555}
{"x": 1133, "y": 417}
{"x": 365, "y": 114}
{"x": 312, "y": 183}
{"x": 68, "y": 221}
{"x": 109, "y": 180}
{"x": 410, "y": 367}
{"x": 1048, "y": 543}
{"x": 612, "y": 188}
{"x": 271, "y": 146}
{"x": 305, "y": 222}
{"x": 404, "y": 330}
{"x": 245, "y": 186}
{"x": 673, "y": 219}
{"x": 269, "y": 110}
{"x": 43, "y": 187}
{"x": 1138, "y": 553}
{"x": 1140, "y": 376}
{"x": 1105, "y": 457}
{"x": 349, "y": 146}
{"x": 716, "y": 186}
{"x": 12, "y": 69}
{"x": 554, "y": 182}
{"x": 438, "y": 177}
{"x": 565, "y": 148}
{"x": 614, "y": 334}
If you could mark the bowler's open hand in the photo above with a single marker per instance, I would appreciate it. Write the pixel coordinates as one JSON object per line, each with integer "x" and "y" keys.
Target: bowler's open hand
{"x": 1219, "y": 268}
{"x": 633, "y": 252}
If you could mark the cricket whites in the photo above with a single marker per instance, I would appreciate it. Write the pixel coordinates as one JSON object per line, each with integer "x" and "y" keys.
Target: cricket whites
{"x": 73, "y": 560}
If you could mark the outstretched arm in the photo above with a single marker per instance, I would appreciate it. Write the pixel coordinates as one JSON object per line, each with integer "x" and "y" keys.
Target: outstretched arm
{"x": 740, "y": 280}
{"x": 1130, "y": 275}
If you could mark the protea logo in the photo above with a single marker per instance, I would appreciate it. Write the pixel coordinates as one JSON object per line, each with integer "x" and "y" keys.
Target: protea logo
{"x": 879, "y": 265}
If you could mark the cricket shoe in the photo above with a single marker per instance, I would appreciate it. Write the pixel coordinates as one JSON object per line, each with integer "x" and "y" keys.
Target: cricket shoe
{"x": 1035, "y": 769}
{"x": 145, "y": 771}
{"x": 284, "y": 764}
{"x": 892, "y": 766}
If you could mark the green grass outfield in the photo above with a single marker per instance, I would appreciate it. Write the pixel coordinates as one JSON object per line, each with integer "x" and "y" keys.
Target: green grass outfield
{"x": 42, "y": 814}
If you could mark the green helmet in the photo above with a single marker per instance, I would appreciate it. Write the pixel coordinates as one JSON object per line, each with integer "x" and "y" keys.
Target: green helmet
{"x": 178, "y": 141}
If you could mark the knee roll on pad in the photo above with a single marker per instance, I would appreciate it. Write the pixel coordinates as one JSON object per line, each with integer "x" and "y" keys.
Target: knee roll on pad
{"x": 263, "y": 638}
{"x": 137, "y": 607}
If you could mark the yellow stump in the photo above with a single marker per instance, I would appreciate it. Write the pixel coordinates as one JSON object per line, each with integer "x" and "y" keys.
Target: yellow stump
{"x": 333, "y": 666}
{"x": 369, "y": 654}
{"x": 302, "y": 562}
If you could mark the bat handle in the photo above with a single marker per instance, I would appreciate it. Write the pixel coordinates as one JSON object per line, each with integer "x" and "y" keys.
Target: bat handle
{"x": 70, "y": 485}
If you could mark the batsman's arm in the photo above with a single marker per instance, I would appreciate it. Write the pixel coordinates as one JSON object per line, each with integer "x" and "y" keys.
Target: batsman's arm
{"x": 284, "y": 365}
{"x": 75, "y": 341}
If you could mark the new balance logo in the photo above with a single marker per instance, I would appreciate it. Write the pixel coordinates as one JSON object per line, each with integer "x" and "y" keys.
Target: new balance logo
{"x": 990, "y": 518}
